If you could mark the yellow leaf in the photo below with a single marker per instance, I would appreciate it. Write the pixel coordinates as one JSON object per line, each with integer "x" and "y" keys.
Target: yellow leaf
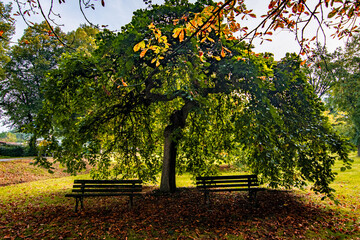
{"x": 138, "y": 46}
{"x": 181, "y": 36}
{"x": 157, "y": 63}
{"x": 176, "y": 32}
{"x": 217, "y": 58}
{"x": 142, "y": 54}
{"x": 210, "y": 39}
{"x": 151, "y": 26}
{"x": 153, "y": 60}
{"x": 223, "y": 52}
{"x": 123, "y": 83}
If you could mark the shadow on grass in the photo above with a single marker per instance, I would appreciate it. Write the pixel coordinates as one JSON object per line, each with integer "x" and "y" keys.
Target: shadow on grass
{"x": 183, "y": 215}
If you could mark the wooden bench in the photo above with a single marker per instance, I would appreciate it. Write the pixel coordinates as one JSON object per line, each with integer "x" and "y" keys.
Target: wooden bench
{"x": 228, "y": 184}
{"x": 104, "y": 188}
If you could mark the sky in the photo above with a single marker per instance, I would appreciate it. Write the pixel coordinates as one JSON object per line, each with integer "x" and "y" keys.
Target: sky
{"x": 117, "y": 13}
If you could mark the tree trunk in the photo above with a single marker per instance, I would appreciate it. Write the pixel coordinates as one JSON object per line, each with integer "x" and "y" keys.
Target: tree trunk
{"x": 358, "y": 150}
{"x": 172, "y": 135}
{"x": 32, "y": 146}
{"x": 168, "y": 181}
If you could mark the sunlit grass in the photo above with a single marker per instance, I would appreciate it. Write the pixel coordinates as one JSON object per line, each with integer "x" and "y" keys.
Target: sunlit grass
{"x": 37, "y": 189}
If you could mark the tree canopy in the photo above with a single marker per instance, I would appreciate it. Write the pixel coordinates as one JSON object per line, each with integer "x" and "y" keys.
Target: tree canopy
{"x": 298, "y": 17}
{"x": 150, "y": 100}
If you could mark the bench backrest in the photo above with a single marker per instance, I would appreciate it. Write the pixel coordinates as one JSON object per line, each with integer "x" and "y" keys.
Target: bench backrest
{"x": 228, "y": 182}
{"x": 107, "y": 186}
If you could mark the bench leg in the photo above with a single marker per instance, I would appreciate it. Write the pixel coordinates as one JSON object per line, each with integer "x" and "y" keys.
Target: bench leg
{"x": 79, "y": 199}
{"x": 252, "y": 197}
{"x": 76, "y": 204}
{"x": 131, "y": 201}
{"x": 82, "y": 203}
{"x": 206, "y": 198}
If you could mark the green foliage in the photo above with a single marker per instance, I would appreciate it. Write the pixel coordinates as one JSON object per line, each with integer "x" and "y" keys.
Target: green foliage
{"x": 323, "y": 69}
{"x": 116, "y": 108}
{"x": 6, "y": 31}
{"x": 345, "y": 94}
{"x": 34, "y": 55}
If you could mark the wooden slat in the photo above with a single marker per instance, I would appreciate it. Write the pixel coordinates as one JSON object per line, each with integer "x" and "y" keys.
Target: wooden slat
{"x": 106, "y": 190}
{"x": 226, "y": 181}
{"x": 102, "y": 194}
{"x": 107, "y": 181}
{"x": 106, "y": 186}
{"x": 227, "y": 177}
{"x": 228, "y": 185}
{"x": 228, "y": 190}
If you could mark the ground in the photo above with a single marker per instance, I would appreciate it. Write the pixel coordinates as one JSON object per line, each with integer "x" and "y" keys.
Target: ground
{"x": 39, "y": 210}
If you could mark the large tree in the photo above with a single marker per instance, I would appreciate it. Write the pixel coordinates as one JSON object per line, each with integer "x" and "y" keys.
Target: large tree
{"x": 148, "y": 99}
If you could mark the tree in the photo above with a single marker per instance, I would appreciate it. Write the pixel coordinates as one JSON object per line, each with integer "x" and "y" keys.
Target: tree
{"x": 36, "y": 53}
{"x": 344, "y": 95}
{"x": 151, "y": 100}
{"x": 323, "y": 69}
{"x": 33, "y": 56}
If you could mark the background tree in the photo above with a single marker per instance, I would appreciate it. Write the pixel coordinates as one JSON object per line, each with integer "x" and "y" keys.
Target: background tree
{"x": 345, "y": 94}
{"x": 149, "y": 98}
{"x": 324, "y": 69}
{"x": 34, "y": 55}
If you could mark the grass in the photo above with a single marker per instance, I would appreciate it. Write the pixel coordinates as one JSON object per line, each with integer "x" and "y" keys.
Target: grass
{"x": 38, "y": 210}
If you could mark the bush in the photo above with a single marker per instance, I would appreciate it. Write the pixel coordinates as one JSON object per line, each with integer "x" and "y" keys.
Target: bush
{"x": 16, "y": 151}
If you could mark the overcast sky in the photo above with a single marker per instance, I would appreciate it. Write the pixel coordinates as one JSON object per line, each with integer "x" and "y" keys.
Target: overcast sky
{"x": 117, "y": 13}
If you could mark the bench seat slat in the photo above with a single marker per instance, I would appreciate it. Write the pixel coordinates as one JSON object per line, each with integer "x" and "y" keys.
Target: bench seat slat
{"x": 106, "y": 186}
{"x": 102, "y": 194}
{"x": 106, "y": 190}
{"x": 245, "y": 186}
{"x": 226, "y": 181}
{"x": 227, "y": 177}
{"x": 107, "y": 181}
{"x": 229, "y": 190}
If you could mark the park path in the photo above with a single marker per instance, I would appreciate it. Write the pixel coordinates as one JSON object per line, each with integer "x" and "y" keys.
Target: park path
{"x": 13, "y": 159}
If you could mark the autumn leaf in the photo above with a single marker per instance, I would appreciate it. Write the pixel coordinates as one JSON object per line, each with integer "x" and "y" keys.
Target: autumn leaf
{"x": 142, "y": 54}
{"x": 181, "y": 36}
{"x": 1, "y": 33}
{"x": 123, "y": 82}
{"x": 223, "y": 52}
{"x": 176, "y": 32}
{"x": 217, "y": 58}
{"x": 151, "y": 26}
{"x": 139, "y": 46}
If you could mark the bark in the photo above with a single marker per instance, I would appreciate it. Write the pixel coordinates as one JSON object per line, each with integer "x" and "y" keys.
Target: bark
{"x": 172, "y": 135}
